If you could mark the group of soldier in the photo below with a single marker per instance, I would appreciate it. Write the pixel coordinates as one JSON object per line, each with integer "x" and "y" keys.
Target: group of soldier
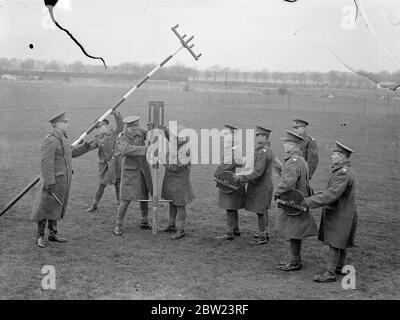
{"x": 122, "y": 163}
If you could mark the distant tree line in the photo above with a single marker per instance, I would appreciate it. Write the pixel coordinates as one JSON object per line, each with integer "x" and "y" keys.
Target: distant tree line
{"x": 215, "y": 73}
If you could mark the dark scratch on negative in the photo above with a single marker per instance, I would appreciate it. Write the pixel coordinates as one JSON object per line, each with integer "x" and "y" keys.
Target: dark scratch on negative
{"x": 356, "y": 4}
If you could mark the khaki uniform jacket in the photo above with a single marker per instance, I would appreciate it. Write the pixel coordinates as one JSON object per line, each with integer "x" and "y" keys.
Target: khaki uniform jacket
{"x": 136, "y": 181}
{"x": 108, "y": 153}
{"x": 339, "y": 212}
{"x": 176, "y": 183}
{"x": 295, "y": 176}
{"x": 56, "y": 154}
{"x": 310, "y": 152}
{"x": 260, "y": 186}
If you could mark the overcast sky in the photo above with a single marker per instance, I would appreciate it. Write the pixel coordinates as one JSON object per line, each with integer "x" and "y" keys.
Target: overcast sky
{"x": 246, "y": 34}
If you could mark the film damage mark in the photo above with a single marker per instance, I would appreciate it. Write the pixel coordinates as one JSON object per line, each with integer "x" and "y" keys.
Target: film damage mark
{"x": 50, "y": 4}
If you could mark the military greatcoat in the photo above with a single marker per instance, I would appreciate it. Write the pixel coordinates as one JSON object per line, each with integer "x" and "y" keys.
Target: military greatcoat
{"x": 260, "y": 185}
{"x": 235, "y": 199}
{"x": 310, "y": 153}
{"x": 339, "y": 212}
{"x": 295, "y": 176}
{"x": 56, "y": 154}
{"x": 176, "y": 184}
{"x": 136, "y": 182}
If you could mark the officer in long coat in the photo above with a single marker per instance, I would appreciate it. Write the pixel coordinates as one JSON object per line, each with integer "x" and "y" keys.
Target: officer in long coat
{"x": 339, "y": 212}
{"x": 176, "y": 183}
{"x": 55, "y": 180}
{"x": 308, "y": 146}
{"x": 259, "y": 184}
{"x": 294, "y": 176}
{"x": 136, "y": 182}
{"x": 109, "y": 158}
{"x": 231, "y": 200}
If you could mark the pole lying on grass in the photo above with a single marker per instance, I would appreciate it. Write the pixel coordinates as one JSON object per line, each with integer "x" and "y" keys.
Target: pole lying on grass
{"x": 184, "y": 45}
{"x": 19, "y": 195}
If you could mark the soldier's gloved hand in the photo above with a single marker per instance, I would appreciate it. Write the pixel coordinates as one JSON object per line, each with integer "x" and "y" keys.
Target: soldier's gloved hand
{"x": 51, "y": 188}
{"x": 87, "y": 145}
{"x": 306, "y": 202}
{"x": 241, "y": 179}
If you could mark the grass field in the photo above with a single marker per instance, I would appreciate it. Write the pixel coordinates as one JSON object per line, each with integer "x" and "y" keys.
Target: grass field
{"x": 97, "y": 265}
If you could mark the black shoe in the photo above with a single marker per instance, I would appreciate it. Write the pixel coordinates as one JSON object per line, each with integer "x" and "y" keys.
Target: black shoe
{"x": 290, "y": 266}
{"x": 259, "y": 240}
{"x": 339, "y": 271}
{"x": 236, "y": 233}
{"x": 325, "y": 277}
{"x": 145, "y": 225}
{"x": 56, "y": 238}
{"x": 40, "y": 242}
{"x": 225, "y": 236}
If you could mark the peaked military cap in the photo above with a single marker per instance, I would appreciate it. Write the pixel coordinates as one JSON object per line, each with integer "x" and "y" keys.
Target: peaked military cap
{"x": 340, "y": 147}
{"x": 299, "y": 123}
{"x": 263, "y": 130}
{"x": 293, "y": 137}
{"x": 131, "y": 119}
{"x": 260, "y": 129}
{"x": 230, "y": 127}
{"x": 58, "y": 118}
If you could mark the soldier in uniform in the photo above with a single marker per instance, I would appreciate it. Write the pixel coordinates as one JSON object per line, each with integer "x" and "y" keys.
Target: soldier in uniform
{"x": 308, "y": 146}
{"x": 176, "y": 184}
{"x": 55, "y": 180}
{"x": 233, "y": 200}
{"x": 109, "y": 158}
{"x": 339, "y": 213}
{"x": 260, "y": 185}
{"x": 294, "y": 176}
{"x": 136, "y": 182}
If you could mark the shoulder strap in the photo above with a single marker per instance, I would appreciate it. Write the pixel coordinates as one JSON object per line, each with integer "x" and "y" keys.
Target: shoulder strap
{"x": 61, "y": 143}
